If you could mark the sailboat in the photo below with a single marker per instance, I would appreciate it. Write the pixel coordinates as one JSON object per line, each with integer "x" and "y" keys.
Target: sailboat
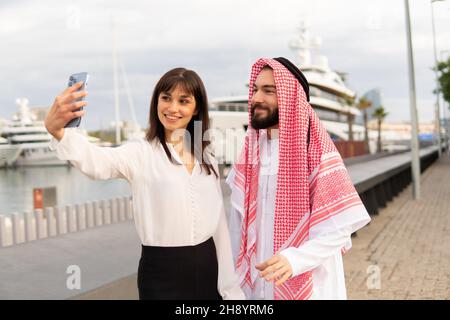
{"x": 130, "y": 129}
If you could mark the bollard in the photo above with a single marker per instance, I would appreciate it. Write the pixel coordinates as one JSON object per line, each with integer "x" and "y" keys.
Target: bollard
{"x": 61, "y": 220}
{"x": 15, "y": 219}
{"x": 114, "y": 208}
{"x": 38, "y": 217}
{"x": 132, "y": 207}
{"x": 51, "y": 225}
{"x": 97, "y": 214}
{"x": 2, "y": 231}
{"x": 89, "y": 213}
{"x": 126, "y": 202}
{"x": 122, "y": 213}
{"x": 129, "y": 208}
{"x": 28, "y": 221}
{"x": 71, "y": 219}
{"x": 106, "y": 212}
{"x": 80, "y": 217}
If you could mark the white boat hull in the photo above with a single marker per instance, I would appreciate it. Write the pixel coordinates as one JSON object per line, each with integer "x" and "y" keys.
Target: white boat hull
{"x": 39, "y": 156}
{"x": 8, "y": 154}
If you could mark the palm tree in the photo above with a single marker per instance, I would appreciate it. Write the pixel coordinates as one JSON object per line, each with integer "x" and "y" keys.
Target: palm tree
{"x": 380, "y": 114}
{"x": 350, "y": 117}
{"x": 364, "y": 104}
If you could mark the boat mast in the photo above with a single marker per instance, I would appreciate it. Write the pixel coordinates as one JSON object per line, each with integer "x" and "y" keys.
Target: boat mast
{"x": 302, "y": 45}
{"x": 116, "y": 83}
{"x": 128, "y": 90}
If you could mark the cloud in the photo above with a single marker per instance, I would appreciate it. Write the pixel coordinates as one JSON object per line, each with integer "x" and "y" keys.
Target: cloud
{"x": 44, "y": 42}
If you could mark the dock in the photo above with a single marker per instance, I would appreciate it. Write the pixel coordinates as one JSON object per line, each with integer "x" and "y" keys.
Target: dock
{"x": 405, "y": 251}
{"x": 402, "y": 254}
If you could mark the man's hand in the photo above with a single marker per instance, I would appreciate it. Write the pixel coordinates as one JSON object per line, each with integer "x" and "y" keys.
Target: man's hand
{"x": 277, "y": 267}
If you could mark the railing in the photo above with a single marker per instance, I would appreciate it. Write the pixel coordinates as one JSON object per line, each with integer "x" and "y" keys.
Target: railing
{"x": 376, "y": 188}
{"x": 381, "y": 185}
{"x": 54, "y": 221}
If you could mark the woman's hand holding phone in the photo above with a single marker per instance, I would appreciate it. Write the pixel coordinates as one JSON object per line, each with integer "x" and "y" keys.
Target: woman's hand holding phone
{"x": 64, "y": 109}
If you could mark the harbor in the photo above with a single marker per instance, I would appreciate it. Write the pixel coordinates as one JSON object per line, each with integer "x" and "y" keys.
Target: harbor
{"x": 69, "y": 235}
{"x": 107, "y": 253}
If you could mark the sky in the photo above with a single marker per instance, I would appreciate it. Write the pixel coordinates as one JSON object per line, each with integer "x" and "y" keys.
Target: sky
{"x": 43, "y": 42}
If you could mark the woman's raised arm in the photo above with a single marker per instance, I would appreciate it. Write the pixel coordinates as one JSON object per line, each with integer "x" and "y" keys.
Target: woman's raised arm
{"x": 94, "y": 161}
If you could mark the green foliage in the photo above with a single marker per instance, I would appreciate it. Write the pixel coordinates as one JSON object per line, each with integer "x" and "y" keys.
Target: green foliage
{"x": 380, "y": 114}
{"x": 363, "y": 104}
{"x": 443, "y": 69}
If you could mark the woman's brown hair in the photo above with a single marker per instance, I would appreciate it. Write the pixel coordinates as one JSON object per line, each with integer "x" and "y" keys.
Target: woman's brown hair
{"x": 191, "y": 83}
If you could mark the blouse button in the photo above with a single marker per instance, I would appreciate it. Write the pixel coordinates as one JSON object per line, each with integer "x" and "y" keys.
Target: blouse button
{"x": 192, "y": 209}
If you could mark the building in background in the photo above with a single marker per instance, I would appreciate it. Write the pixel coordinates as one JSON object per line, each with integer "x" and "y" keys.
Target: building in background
{"x": 376, "y": 98}
{"x": 397, "y": 135}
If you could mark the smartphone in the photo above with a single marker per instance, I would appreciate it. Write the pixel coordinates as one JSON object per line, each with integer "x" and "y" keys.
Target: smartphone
{"x": 75, "y": 78}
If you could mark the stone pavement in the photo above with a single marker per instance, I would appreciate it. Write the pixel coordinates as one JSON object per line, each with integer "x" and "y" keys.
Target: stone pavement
{"x": 408, "y": 243}
{"x": 404, "y": 253}
{"x": 39, "y": 269}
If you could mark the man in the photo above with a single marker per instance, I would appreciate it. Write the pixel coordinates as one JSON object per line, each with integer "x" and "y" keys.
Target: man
{"x": 294, "y": 206}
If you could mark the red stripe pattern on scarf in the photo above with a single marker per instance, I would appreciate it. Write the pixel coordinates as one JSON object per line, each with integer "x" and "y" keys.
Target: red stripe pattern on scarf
{"x": 312, "y": 183}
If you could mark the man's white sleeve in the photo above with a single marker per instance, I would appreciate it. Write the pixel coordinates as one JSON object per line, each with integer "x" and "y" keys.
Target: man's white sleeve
{"x": 316, "y": 251}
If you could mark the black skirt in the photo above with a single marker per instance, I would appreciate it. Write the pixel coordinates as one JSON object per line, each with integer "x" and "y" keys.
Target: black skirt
{"x": 173, "y": 273}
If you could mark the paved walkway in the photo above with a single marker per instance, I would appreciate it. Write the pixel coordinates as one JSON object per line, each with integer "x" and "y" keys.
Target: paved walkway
{"x": 408, "y": 242}
{"x": 405, "y": 251}
{"x": 39, "y": 269}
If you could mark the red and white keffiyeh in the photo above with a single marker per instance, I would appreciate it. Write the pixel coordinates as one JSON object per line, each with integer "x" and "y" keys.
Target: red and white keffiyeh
{"x": 312, "y": 184}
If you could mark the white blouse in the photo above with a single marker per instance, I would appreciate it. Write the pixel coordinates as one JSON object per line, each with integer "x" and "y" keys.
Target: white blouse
{"x": 171, "y": 207}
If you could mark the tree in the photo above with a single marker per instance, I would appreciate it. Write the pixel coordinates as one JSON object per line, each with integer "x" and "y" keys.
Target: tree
{"x": 380, "y": 114}
{"x": 350, "y": 117}
{"x": 364, "y": 104}
{"x": 443, "y": 69}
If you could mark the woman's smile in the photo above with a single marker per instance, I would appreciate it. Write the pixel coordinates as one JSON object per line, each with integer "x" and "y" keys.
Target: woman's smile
{"x": 171, "y": 118}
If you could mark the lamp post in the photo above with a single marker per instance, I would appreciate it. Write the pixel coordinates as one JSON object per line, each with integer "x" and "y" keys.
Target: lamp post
{"x": 116, "y": 82}
{"x": 444, "y": 107}
{"x": 437, "y": 106}
{"x": 415, "y": 161}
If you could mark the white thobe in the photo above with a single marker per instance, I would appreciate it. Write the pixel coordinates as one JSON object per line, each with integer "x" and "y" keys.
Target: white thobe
{"x": 321, "y": 254}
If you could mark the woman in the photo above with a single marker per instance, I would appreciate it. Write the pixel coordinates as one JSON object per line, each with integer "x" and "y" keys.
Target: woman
{"x": 178, "y": 206}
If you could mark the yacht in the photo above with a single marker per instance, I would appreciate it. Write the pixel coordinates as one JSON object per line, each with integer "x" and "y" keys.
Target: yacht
{"x": 329, "y": 97}
{"x": 29, "y": 134}
{"x": 8, "y": 153}
{"x": 26, "y": 133}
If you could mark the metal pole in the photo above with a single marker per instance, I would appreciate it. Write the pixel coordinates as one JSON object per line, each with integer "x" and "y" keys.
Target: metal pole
{"x": 437, "y": 106}
{"x": 116, "y": 84}
{"x": 415, "y": 161}
{"x": 445, "y": 107}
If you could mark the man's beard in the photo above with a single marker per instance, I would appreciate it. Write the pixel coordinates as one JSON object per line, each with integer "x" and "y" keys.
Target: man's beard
{"x": 264, "y": 122}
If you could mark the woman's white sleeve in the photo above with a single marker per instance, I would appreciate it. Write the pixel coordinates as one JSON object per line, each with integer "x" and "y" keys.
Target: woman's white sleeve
{"x": 228, "y": 282}
{"x": 96, "y": 162}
